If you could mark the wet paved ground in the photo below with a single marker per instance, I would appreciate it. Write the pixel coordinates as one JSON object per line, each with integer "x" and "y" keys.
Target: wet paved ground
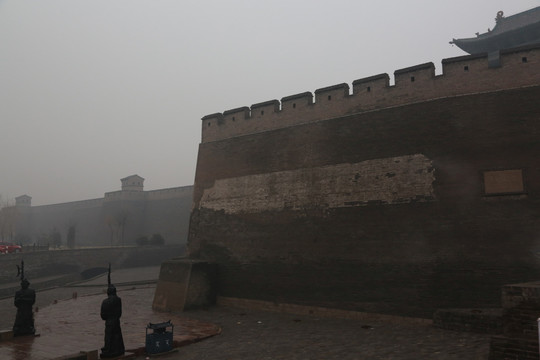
{"x": 45, "y": 298}
{"x": 262, "y": 335}
{"x": 73, "y": 325}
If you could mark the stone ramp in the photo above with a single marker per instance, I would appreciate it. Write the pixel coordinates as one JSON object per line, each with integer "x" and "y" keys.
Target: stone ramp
{"x": 129, "y": 276}
{"x": 71, "y": 326}
{"x": 8, "y": 289}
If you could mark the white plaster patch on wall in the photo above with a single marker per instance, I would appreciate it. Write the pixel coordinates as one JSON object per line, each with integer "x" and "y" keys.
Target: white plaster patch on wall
{"x": 394, "y": 180}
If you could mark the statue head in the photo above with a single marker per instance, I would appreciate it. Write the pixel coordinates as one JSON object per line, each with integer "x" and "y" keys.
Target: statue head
{"x": 111, "y": 290}
{"x": 25, "y": 284}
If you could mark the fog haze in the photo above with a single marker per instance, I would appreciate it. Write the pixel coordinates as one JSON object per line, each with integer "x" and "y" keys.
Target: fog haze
{"x": 94, "y": 91}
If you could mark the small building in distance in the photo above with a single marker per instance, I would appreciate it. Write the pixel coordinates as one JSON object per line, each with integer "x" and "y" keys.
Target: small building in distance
{"x": 23, "y": 200}
{"x": 133, "y": 183}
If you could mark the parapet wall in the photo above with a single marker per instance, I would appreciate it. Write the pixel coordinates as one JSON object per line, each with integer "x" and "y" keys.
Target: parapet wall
{"x": 81, "y": 204}
{"x": 160, "y": 194}
{"x": 184, "y": 191}
{"x": 124, "y": 195}
{"x": 464, "y": 75}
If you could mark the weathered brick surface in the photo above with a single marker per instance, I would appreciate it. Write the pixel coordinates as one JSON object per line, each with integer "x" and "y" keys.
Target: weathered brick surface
{"x": 505, "y": 348}
{"x": 520, "y": 312}
{"x": 485, "y": 321}
{"x": 185, "y": 284}
{"x": 390, "y": 181}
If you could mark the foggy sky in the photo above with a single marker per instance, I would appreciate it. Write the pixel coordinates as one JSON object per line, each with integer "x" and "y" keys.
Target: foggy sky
{"x": 92, "y": 91}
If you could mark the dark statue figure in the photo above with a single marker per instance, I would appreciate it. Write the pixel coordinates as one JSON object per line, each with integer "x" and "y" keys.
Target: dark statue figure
{"x": 111, "y": 311}
{"x": 24, "y": 301}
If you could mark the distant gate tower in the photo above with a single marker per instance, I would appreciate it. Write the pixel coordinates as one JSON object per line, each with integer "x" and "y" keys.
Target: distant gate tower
{"x": 132, "y": 183}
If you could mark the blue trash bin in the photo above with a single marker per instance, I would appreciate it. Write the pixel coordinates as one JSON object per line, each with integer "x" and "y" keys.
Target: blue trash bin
{"x": 160, "y": 339}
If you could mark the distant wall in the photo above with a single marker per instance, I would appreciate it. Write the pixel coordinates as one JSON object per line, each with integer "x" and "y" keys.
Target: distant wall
{"x": 86, "y": 215}
{"x": 168, "y": 217}
{"x": 460, "y": 76}
{"x": 164, "y": 211}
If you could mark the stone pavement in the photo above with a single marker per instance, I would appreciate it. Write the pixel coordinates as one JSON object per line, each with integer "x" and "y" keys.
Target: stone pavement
{"x": 265, "y": 335}
{"x": 49, "y": 294}
{"x": 74, "y": 325}
{"x": 130, "y": 276}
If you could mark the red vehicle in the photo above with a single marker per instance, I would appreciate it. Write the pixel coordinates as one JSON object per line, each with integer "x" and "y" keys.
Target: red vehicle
{"x": 7, "y": 248}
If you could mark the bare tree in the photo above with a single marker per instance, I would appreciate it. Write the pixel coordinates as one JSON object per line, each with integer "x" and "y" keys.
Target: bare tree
{"x": 117, "y": 226}
{"x": 111, "y": 224}
{"x": 71, "y": 232}
{"x": 121, "y": 218}
{"x": 54, "y": 237}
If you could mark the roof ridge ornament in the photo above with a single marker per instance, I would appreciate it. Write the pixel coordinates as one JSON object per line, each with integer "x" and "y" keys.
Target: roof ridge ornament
{"x": 500, "y": 16}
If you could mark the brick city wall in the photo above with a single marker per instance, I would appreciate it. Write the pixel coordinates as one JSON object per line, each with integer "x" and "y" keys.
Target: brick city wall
{"x": 423, "y": 237}
{"x": 520, "y": 311}
{"x": 460, "y": 76}
{"x": 485, "y": 321}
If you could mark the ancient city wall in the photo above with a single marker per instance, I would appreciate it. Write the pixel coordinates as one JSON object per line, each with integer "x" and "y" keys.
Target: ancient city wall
{"x": 460, "y": 76}
{"x": 184, "y": 191}
{"x": 401, "y": 209}
{"x": 81, "y": 204}
{"x": 163, "y": 211}
{"x": 85, "y": 215}
{"x": 167, "y": 213}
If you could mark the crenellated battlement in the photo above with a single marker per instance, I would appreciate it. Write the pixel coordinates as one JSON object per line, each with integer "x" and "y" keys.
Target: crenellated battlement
{"x": 160, "y": 194}
{"x": 170, "y": 193}
{"x": 463, "y": 75}
{"x": 72, "y": 205}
